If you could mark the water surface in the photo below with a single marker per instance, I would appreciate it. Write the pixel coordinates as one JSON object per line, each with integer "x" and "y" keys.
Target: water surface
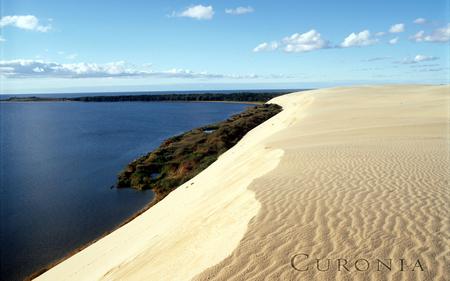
{"x": 59, "y": 160}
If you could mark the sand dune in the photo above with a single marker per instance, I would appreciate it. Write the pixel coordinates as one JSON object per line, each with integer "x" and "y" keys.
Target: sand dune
{"x": 354, "y": 177}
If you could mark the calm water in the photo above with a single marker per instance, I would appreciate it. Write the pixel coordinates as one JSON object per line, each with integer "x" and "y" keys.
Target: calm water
{"x": 58, "y": 162}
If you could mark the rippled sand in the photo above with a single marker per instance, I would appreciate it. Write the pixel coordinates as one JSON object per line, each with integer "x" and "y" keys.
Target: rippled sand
{"x": 347, "y": 183}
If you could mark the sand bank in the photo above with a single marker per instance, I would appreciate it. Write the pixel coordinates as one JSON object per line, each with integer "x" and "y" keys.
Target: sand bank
{"x": 353, "y": 175}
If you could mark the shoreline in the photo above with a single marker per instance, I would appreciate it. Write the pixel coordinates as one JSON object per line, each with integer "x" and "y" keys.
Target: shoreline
{"x": 239, "y": 97}
{"x": 158, "y": 196}
{"x": 249, "y": 102}
{"x": 342, "y": 173}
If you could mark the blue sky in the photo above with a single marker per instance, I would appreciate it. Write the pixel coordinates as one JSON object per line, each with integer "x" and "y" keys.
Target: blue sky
{"x": 52, "y": 46}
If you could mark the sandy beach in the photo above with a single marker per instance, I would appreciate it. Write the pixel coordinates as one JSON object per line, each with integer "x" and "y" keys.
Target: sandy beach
{"x": 346, "y": 183}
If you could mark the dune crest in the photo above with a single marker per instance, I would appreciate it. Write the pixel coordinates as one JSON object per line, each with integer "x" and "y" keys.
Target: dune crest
{"x": 356, "y": 178}
{"x": 195, "y": 227}
{"x": 361, "y": 192}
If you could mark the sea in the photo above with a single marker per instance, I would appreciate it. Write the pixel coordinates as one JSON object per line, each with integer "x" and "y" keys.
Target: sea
{"x": 59, "y": 160}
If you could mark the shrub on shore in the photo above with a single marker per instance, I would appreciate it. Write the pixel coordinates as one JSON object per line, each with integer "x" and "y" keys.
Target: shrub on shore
{"x": 182, "y": 157}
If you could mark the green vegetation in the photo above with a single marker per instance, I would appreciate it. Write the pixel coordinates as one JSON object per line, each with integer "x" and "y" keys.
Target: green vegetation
{"x": 240, "y": 97}
{"x": 231, "y": 97}
{"x": 34, "y": 99}
{"x": 182, "y": 157}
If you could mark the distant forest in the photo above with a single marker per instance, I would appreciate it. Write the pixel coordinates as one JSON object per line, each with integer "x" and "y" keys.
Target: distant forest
{"x": 241, "y": 97}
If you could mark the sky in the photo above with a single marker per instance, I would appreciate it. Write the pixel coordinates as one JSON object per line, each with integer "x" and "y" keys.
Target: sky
{"x": 53, "y": 46}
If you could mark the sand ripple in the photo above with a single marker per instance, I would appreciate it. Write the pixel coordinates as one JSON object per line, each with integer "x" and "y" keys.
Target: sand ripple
{"x": 381, "y": 197}
{"x": 348, "y": 183}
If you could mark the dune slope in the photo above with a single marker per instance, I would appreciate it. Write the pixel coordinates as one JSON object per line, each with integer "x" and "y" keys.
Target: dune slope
{"x": 349, "y": 176}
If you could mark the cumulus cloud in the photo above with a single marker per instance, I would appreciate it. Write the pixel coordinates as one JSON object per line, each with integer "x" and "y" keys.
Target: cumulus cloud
{"x": 239, "y": 11}
{"x": 244, "y": 76}
{"x": 417, "y": 59}
{"x": 267, "y": 47}
{"x": 44, "y": 69}
{"x": 393, "y": 41}
{"x": 424, "y": 58}
{"x": 358, "y": 40}
{"x": 25, "y": 22}
{"x": 396, "y": 28}
{"x": 439, "y": 35}
{"x": 198, "y": 12}
{"x": 308, "y": 41}
{"x": 38, "y": 69}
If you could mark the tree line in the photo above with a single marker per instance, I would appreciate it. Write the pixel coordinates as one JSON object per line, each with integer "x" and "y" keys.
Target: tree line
{"x": 241, "y": 97}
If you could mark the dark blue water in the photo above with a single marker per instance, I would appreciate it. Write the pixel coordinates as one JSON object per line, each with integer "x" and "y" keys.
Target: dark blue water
{"x": 58, "y": 162}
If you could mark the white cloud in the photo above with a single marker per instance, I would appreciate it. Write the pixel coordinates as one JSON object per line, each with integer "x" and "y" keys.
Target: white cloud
{"x": 424, "y": 58}
{"x": 277, "y": 76}
{"x": 147, "y": 64}
{"x": 420, "y": 21}
{"x": 25, "y": 22}
{"x": 439, "y": 35}
{"x": 198, "y": 12}
{"x": 396, "y": 28}
{"x": 21, "y": 69}
{"x": 416, "y": 59}
{"x": 61, "y": 53}
{"x": 44, "y": 29}
{"x": 358, "y": 40}
{"x": 245, "y": 76}
{"x": 308, "y": 41}
{"x": 2, "y": 39}
{"x": 38, "y": 69}
{"x": 267, "y": 47}
{"x": 71, "y": 57}
{"x": 418, "y": 37}
{"x": 393, "y": 41}
{"x": 239, "y": 11}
